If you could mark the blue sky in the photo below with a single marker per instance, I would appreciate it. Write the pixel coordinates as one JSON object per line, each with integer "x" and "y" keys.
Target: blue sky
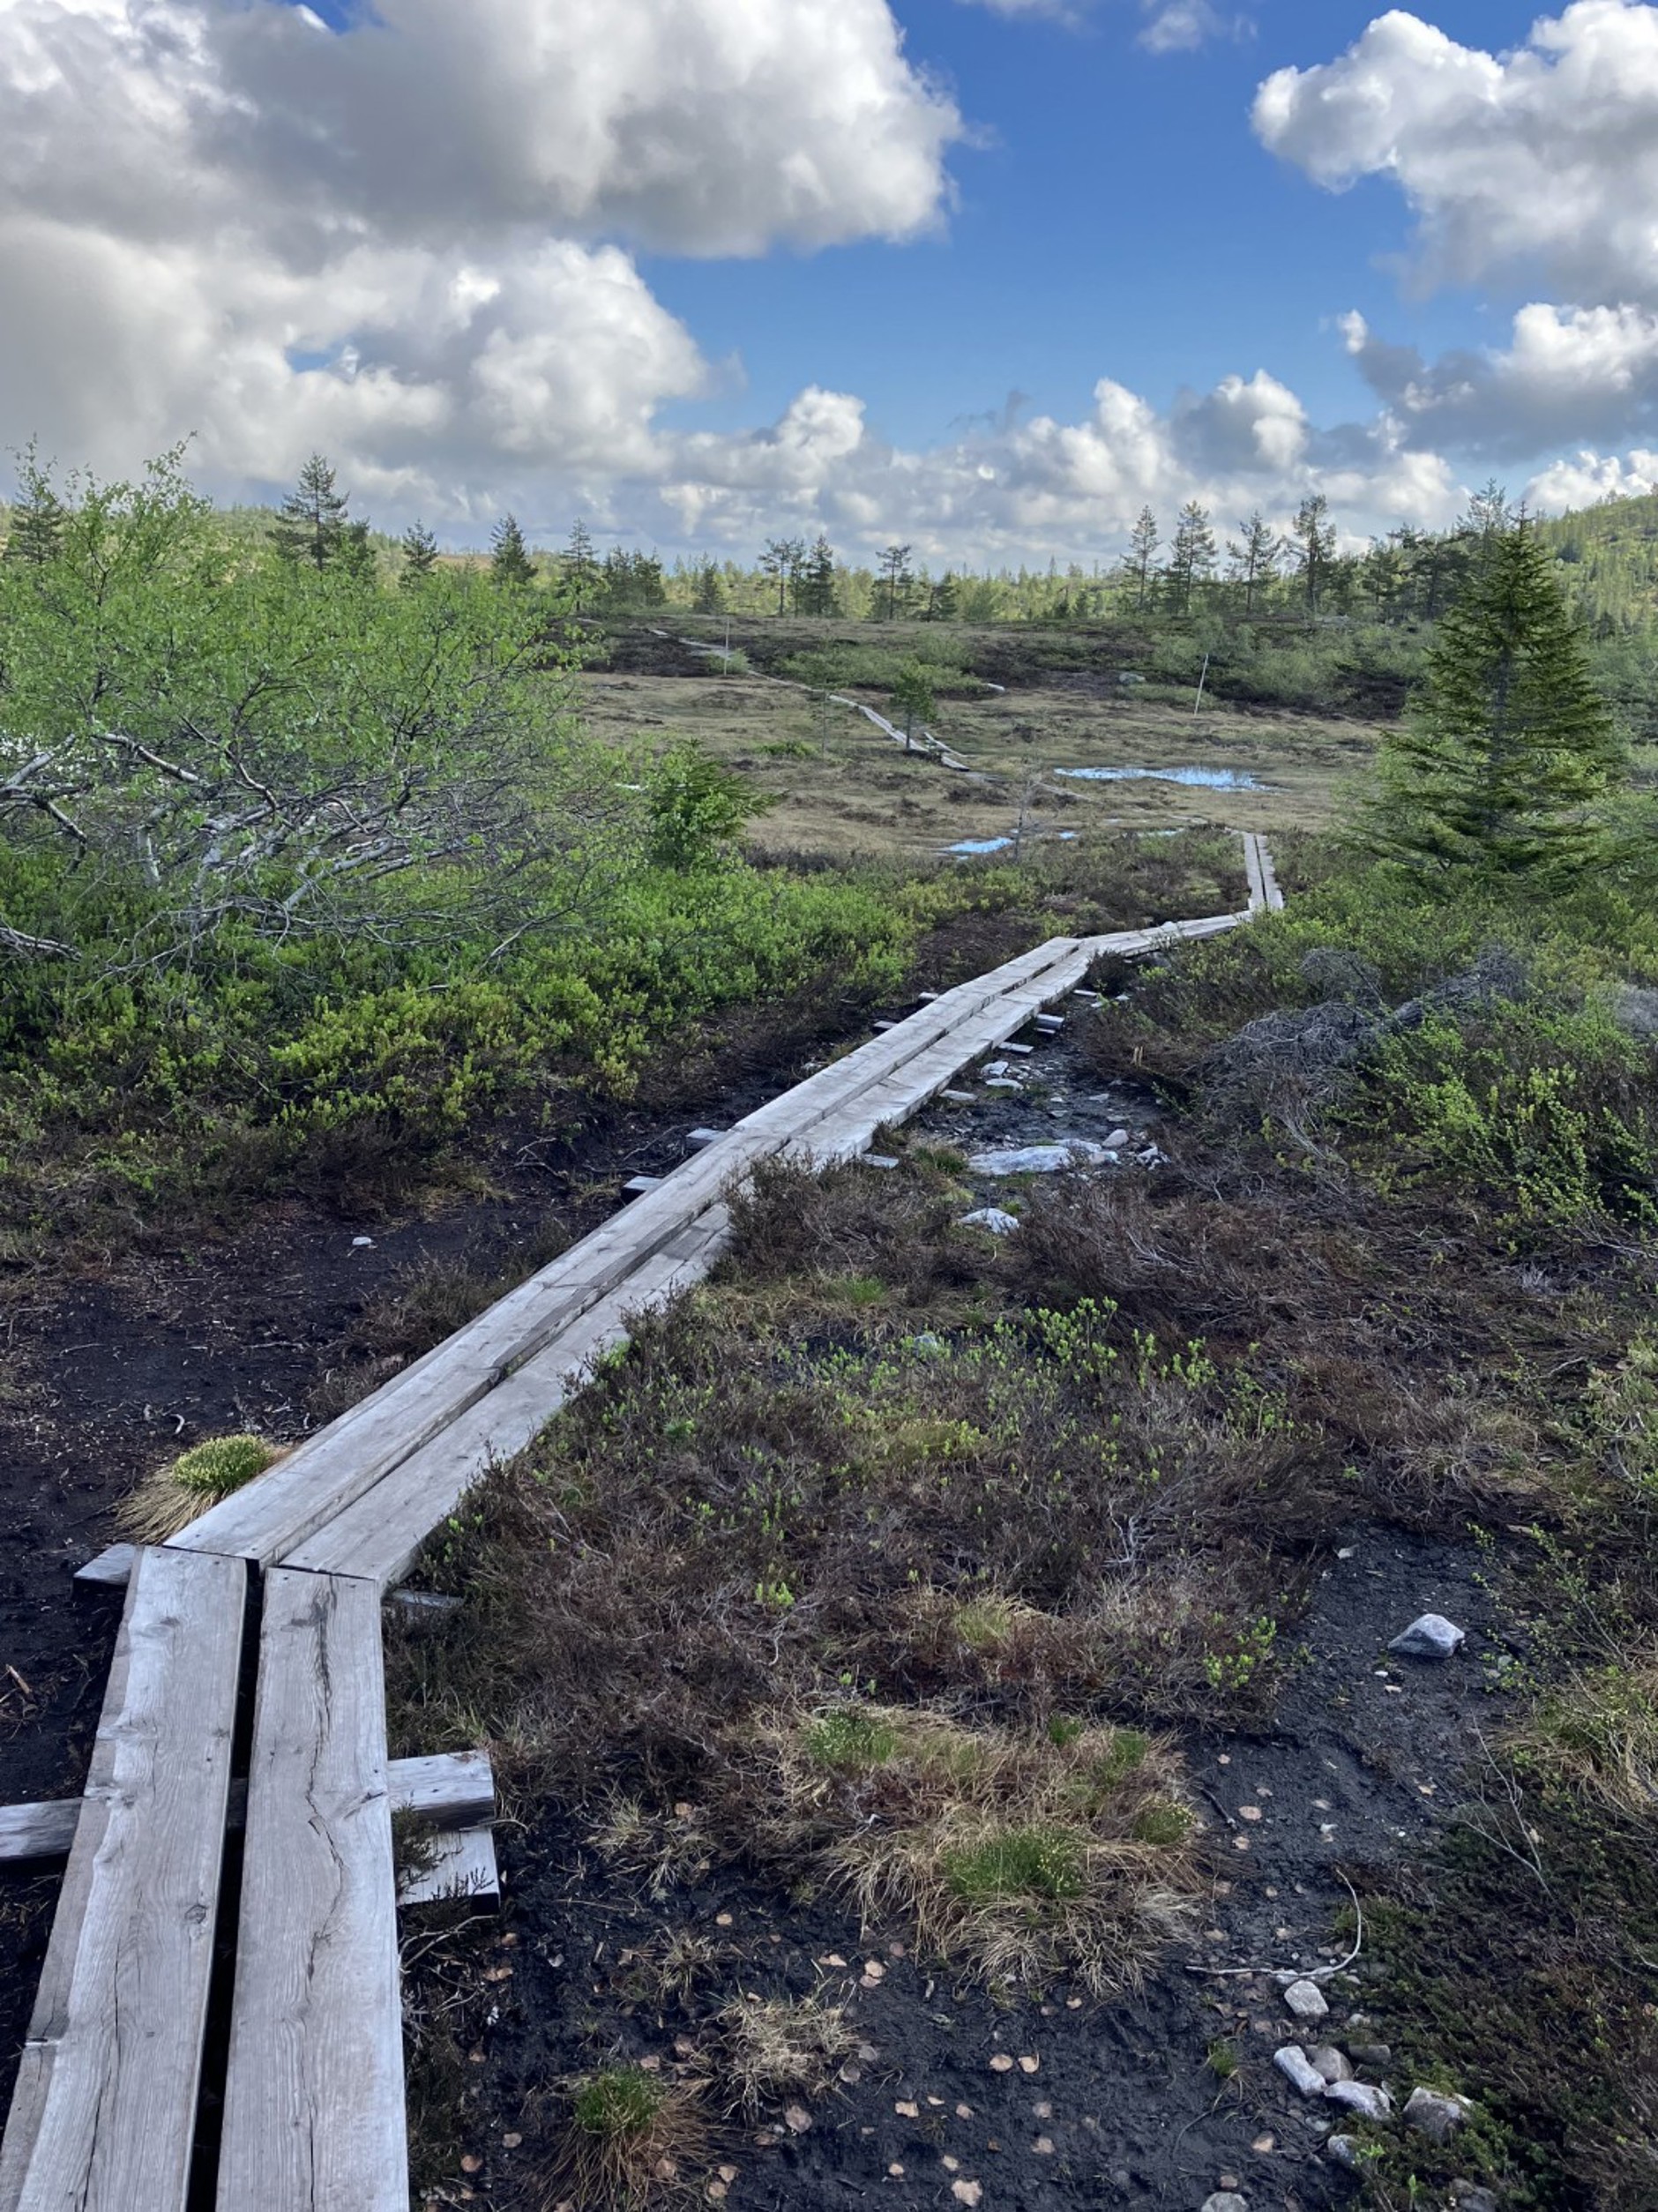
{"x": 1121, "y": 219}
{"x": 707, "y": 271}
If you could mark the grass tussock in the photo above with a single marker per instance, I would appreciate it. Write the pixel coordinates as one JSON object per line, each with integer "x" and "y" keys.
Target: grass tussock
{"x": 189, "y": 1486}
{"x": 1018, "y": 1854}
{"x": 773, "y": 2049}
{"x": 1596, "y": 1735}
{"x": 631, "y": 2139}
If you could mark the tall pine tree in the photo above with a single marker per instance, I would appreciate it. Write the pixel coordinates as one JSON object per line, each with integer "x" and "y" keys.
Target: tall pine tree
{"x": 310, "y": 523}
{"x": 420, "y": 555}
{"x": 1142, "y": 551}
{"x": 1508, "y": 744}
{"x": 510, "y": 562}
{"x": 35, "y": 530}
{"x": 580, "y": 566}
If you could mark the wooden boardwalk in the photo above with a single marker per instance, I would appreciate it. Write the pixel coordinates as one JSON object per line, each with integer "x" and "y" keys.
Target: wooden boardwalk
{"x": 104, "y": 2118}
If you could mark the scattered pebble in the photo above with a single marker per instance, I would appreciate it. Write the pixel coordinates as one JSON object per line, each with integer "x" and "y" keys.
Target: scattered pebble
{"x": 967, "y": 2191}
{"x": 1430, "y": 1637}
{"x": 1330, "y": 2063}
{"x": 1306, "y": 2000}
{"x": 511, "y": 2143}
{"x": 1030, "y": 2065}
{"x": 1374, "y": 2055}
{"x": 1435, "y": 2115}
{"x": 1248, "y": 1812}
{"x": 1264, "y": 2143}
{"x": 950, "y": 2164}
{"x": 1001, "y": 2063}
{"x": 1344, "y": 2149}
{"x": 1226, "y": 2201}
{"x": 1298, "y": 2069}
{"x": 906, "y": 2110}
{"x": 1044, "y": 2147}
{"x": 964, "y": 2112}
{"x": 797, "y": 2118}
{"x": 363, "y": 1244}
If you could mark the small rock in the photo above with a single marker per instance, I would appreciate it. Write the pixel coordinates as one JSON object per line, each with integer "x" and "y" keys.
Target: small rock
{"x": 1296, "y": 2068}
{"x": 1044, "y": 2147}
{"x": 1435, "y": 2115}
{"x": 996, "y": 1067}
{"x": 1003, "y": 1083}
{"x": 1374, "y": 2055}
{"x": 1117, "y": 1138}
{"x": 1306, "y": 2000}
{"x": 1001, "y": 2063}
{"x": 992, "y": 1219}
{"x": 1430, "y": 1637}
{"x": 797, "y": 2118}
{"x": 1030, "y": 2065}
{"x": 1472, "y": 2198}
{"x": 967, "y": 2191}
{"x": 1344, "y": 2149}
{"x": 1330, "y": 2063}
{"x": 361, "y": 1243}
{"x": 1226, "y": 2201}
{"x": 1359, "y": 2097}
{"x": 1075, "y": 1152}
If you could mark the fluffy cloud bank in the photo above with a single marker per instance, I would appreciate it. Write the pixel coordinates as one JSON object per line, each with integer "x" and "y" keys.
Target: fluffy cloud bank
{"x": 410, "y": 243}
{"x": 1545, "y": 158}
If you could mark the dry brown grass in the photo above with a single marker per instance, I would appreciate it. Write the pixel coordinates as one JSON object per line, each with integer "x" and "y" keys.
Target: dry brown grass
{"x": 1597, "y": 1734}
{"x": 775, "y": 2047}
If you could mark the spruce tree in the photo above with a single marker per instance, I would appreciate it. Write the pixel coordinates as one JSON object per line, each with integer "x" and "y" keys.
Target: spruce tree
{"x": 1508, "y": 744}
{"x": 1313, "y": 539}
{"x": 35, "y": 530}
{"x": 1192, "y": 557}
{"x": 354, "y": 555}
{"x": 1253, "y": 556}
{"x": 1142, "y": 551}
{"x": 818, "y": 578}
{"x": 310, "y": 522}
{"x": 709, "y": 596}
{"x": 581, "y": 568}
{"x": 896, "y": 579}
{"x": 510, "y": 563}
{"x": 420, "y": 555}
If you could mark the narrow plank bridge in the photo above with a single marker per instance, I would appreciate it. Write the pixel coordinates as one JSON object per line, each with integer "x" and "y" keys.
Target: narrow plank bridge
{"x": 287, "y": 1578}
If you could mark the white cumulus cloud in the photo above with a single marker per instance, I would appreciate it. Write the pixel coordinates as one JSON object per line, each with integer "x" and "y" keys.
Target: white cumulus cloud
{"x": 1545, "y": 157}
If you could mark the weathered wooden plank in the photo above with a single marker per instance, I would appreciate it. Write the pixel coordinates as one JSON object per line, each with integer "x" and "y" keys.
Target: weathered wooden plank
{"x": 458, "y": 1863}
{"x": 38, "y": 1831}
{"x": 379, "y": 1535}
{"x": 275, "y": 1516}
{"x": 110, "y": 1570}
{"x": 313, "y": 2118}
{"x": 450, "y": 1790}
{"x": 1270, "y": 892}
{"x": 104, "y": 2118}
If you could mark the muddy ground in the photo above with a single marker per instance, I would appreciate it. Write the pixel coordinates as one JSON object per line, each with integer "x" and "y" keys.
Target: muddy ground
{"x": 111, "y": 1373}
{"x": 1051, "y": 2104}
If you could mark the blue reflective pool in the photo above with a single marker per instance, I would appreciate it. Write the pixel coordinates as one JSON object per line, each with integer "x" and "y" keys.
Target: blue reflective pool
{"x": 1208, "y": 779}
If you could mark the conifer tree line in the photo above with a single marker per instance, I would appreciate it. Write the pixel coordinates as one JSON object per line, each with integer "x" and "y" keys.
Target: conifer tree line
{"x": 1194, "y": 564}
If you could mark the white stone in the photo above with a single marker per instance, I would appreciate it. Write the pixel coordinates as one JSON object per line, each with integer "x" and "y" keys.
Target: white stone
{"x": 1298, "y": 2069}
{"x": 1331, "y": 2063}
{"x": 361, "y": 1243}
{"x": 1344, "y": 2149}
{"x": 1306, "y": 2000}
{"x": 1003, "y": 1083}
{"x": 1078, "y": 1152}
{"x": 996, "y": 1067}
{"x": 993, "y": 1219}
{"x": 1362, "y": 2098}
{"x": 1431, "y": 1637}
{"x": 1117, "y": 1138}
{"x": 1434, "y": 2114}
{"x": 1226, "y": 2201}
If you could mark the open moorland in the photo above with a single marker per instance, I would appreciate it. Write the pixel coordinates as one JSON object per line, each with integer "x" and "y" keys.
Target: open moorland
{"x": 1105, "y": 1655}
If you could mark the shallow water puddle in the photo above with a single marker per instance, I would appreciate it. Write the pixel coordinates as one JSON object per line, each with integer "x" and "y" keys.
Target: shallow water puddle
{"x": 1208, "y": 779}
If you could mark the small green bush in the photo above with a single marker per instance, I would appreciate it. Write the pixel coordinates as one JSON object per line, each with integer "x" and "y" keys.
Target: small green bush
{"x": 848, "y": 1741}
{"x": 621, "y": 2101}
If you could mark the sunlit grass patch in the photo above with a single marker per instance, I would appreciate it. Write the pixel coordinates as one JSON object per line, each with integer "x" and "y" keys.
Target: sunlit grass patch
{"x": 176, "y": 1494}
